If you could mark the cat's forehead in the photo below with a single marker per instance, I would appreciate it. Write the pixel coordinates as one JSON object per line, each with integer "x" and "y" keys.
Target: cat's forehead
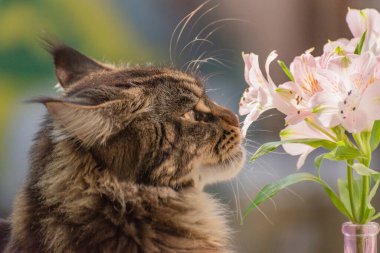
{"x": 140, "y": 77}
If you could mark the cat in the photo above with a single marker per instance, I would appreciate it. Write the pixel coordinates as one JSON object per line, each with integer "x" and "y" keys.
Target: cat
{"x": 120, "y": 163}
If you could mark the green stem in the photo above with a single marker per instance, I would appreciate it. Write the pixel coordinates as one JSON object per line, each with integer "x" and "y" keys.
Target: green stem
{"x": 350, "y": 185}
{"x": 363, "y": 142}
{"x": 365, "y": 192}
{"x": 319, "y": 128}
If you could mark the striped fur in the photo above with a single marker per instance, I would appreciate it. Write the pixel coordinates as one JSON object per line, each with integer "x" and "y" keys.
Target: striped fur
{"x": 119, "y": 165}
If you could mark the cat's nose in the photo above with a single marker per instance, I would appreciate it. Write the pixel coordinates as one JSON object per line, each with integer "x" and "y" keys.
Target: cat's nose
{"x": 226, "y": 115}
{"x": 232, "y": 119}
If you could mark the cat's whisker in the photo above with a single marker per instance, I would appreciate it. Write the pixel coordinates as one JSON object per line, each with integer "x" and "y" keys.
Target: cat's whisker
{"x": 211, "y": 75}
{"x": 240, "y": 218}
{"x": 294, "y": 193}
{"x": 193, "y": 41}
{"x": 190, "y": 62}
{"x": 214, "y": 23}
{"x": 253, "y": 130}
{"x": 213, "y": 89}
{"x": 184, "y": 21}
{"x": 203, "y": 15}
{"x": 209, "y": 59}
{"x": 252, "y": 141}
{"x": 272, "y": 152}
{"x": 197, "y": 38}
{"x": 252, "y": 183}
{"x": 251, "y": 146}
{"x": 258, "y": 208}
{"x": 236, "y": 200}
{"x": 267, "y": 116}
{"x": 206, "y": 38}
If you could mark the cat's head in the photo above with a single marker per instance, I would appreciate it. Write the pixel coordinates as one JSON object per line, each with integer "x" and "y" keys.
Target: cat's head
{"x": 153, "y": 126}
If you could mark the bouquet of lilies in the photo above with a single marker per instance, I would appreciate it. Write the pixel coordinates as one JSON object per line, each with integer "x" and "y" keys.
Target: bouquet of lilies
{"x": 331, "y": 101}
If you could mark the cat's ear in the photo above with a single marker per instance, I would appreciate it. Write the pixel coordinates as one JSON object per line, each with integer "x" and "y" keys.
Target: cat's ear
{"x": 70, "y": 65}
{"x": 91, "y": 124}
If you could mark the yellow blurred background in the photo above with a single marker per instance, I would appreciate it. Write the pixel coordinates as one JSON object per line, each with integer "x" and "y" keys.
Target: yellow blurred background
{"x": 133, "y": 31}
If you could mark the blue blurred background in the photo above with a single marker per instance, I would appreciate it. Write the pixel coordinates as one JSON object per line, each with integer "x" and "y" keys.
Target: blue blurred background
{"x": 300, "y": 219}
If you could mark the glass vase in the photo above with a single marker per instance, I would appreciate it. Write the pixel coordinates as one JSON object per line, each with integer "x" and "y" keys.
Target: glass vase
{"x": 360, "y": 238}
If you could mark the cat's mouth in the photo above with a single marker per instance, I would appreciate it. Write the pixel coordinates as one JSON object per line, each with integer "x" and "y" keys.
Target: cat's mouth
{"x": 228, "y": 160}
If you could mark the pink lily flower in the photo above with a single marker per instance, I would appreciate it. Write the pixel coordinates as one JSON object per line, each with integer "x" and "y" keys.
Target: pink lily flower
{"x": 293, "y": 98}
{"x": 257, "y": 97}
{"x": 359, "y": 21}
{"x": 351, "y": 92}
{"x": 302, "y": 130}
{"x": 367, "y": 20}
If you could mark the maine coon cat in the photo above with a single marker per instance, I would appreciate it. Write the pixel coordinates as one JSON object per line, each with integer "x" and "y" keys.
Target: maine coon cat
{"x": 120, "y": 163}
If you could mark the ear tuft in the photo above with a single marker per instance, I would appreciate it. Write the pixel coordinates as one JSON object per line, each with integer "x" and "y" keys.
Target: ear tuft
{"x": 70, "y": 65}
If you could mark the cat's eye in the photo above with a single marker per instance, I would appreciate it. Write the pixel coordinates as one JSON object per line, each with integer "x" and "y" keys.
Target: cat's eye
{"x": 190, "y": 115}
{"x": 199, "y": 116}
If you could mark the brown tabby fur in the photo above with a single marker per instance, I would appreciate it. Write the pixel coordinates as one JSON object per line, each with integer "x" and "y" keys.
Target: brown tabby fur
{"x": 120, "y": 162}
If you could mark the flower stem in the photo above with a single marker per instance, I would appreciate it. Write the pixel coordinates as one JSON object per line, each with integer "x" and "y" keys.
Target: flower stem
{"x": 350, "y": 186}
{"x": 365, "y": 192}
{"x": 311, "y": 123}
{"x": 363, "y": 142}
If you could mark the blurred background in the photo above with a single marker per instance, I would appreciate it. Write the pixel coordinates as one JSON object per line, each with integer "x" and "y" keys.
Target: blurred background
{"x": 300, "y": 219}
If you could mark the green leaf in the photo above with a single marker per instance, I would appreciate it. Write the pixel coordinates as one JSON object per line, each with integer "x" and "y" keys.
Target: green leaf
{"x": 271, "y": 146}
{"x": 340, "y": 153}
{"x": 363, "y": 170}
{"x": 272, "y": 189}
{"x": 265, "y": 149}
{"x": 375, "y": 135}
{"x": 359, "y": 46}
{"x": 286, "y": 70}
{"x": 375, "y": 216}
{"x": 344, "y": 195}
{"x": 370, "y": 209}
{"x": 318, "y": 163}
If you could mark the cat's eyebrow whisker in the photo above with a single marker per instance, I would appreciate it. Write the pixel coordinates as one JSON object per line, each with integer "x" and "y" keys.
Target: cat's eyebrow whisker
{"x": 193, "y": 41}
{"x": 220, "y": 21}
{"x": 189, "y": 17}
{"x": 215, "y": 29}
{"x": 196, "y": 64}
{"x": 209, "y": 59}
{"x": 204, "y": 14}
{"x": 197, "y": 38}
{"x": 189, "y": 63}
{"x": 183, "y": 21}
{"x": 209, "y": 76}
{"x": 206, "y": 38}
